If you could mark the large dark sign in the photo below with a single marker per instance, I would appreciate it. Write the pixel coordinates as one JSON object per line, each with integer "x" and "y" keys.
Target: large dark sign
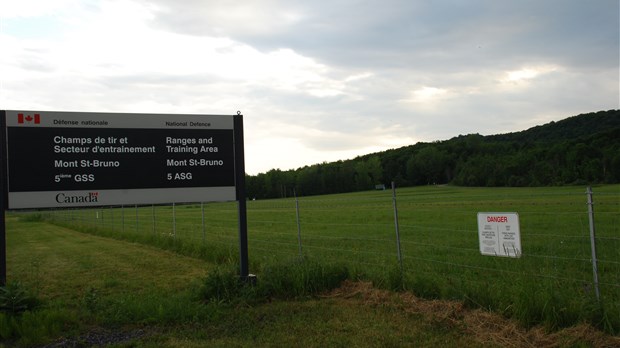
{"x": 65, "y": 159}
{"x": 77, "y": 159}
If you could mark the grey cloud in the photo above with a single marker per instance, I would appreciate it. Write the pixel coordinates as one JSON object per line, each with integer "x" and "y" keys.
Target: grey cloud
{"x": 461, "y": 46}
{"x": 447, "y": 35}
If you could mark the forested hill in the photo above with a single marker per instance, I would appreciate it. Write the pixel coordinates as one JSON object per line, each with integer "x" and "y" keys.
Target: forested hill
{"x": 569, "y": 128}
{"x": 583, "y": 149}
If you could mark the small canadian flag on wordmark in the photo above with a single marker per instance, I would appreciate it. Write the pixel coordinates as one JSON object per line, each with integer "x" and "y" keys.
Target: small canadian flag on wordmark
{"x": 29, "y": 119}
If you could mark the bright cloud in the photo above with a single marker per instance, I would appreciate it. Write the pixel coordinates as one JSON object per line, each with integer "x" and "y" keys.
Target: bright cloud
{"x": 427, "y": 94}
{"x": 528, "y": 73}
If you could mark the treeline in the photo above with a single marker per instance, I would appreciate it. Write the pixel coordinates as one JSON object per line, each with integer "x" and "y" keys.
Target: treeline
{"x": 583, "y": 149}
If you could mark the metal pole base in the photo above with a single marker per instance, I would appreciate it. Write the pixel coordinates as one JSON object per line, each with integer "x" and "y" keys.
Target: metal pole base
{"x": 250, "y": 279}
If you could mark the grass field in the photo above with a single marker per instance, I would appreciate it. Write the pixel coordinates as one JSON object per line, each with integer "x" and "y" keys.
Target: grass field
{"x": 550, "y": 284}
{"x": 96, "y": 290}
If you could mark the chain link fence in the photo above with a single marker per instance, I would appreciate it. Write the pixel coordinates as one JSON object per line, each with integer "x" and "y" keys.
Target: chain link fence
{"x": 426, "y": 239}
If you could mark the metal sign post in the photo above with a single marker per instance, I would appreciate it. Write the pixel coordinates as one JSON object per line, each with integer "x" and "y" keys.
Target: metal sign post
{"x": 3, "y": 198}
{"x": 241, "y": 199}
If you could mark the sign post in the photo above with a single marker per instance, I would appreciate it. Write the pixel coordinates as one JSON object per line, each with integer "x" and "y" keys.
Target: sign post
{"x": 74, "y": 159}
{"x": 3, "y": 199}
{"x": 241, "y": 201}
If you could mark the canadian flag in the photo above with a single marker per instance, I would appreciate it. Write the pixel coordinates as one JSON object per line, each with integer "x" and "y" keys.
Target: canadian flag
{"x": 29, "y": 119}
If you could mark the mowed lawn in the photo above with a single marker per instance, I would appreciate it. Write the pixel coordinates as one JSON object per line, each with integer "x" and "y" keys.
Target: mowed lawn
{"x": 62, "y": 263}
{"x": 115, "y": 288}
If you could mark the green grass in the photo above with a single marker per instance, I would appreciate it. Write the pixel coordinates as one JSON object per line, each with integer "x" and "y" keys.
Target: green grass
{"x": 550, "y": 284}
{"x": 439, "y": 243}
{"x": 85, "y": 280}
{"x": 318, "y": 323}
{"x": 87, "y": 283}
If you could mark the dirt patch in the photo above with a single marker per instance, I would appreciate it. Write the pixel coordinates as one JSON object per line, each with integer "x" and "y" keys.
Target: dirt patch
{"x": 486, "y": 328}
{"x": 98, "y": 338}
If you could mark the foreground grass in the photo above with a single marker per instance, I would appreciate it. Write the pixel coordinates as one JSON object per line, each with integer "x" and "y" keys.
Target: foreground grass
{"x": 85, "y": 281}
{"x": 88, "y": 282}
{"x": 93, "y": 286}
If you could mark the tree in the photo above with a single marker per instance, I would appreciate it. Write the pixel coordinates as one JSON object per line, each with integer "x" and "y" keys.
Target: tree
{"x": 583, "y": 148}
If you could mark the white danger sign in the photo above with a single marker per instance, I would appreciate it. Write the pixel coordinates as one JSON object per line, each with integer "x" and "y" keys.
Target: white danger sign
{"x": 499, "y": 234}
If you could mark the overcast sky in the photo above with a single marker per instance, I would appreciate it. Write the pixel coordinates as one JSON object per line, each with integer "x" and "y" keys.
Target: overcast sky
{"x": 317, "y": 80}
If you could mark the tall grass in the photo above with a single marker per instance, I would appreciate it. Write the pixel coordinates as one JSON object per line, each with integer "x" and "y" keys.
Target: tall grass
{"x": 289, "y": 279}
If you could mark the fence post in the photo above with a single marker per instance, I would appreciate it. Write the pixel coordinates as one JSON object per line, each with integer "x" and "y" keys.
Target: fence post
{"x": 400, "y": 258}
{"x": 593, "y": 241}
{"x": 298, "y": 223}
{"x": 174, "y": 222}
{"x": 137, "y": 219}
{"x": 202, "y": 210}
{"x": 122, "y": 219}
{"x": 153, "y": 216}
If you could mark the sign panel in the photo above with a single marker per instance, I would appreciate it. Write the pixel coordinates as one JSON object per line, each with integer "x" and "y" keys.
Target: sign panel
{"x": 70, "y": 159}
{"x": 499, "y": 234}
